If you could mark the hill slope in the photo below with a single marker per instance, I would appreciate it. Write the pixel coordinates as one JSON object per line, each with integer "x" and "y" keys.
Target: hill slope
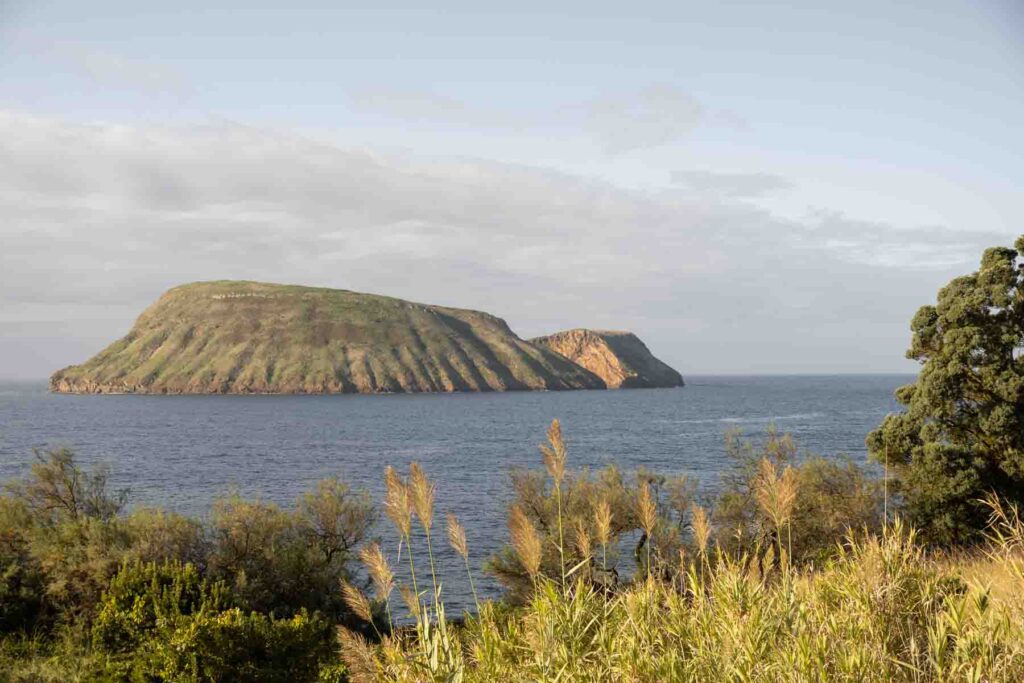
{"x": 255, "y": 338}
{"x": 618, "y": 358}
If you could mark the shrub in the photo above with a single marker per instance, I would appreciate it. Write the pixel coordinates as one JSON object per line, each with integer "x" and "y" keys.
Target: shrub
{"x": 830, "y": 500}
{"x": 601, "y": 510}
{"x": 141, "y": 597}
{"x": 161, "y": 536}
{"x": 281, "y": 561}
{"x": 236, "y": 646}
{"x": 65, "y": 522}
{"x": 24, "y": 605}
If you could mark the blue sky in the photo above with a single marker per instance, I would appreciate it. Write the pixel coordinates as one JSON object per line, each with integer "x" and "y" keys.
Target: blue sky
{"x": 751, "y": 187}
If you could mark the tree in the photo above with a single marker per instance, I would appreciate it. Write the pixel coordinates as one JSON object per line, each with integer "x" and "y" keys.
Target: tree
{"x": 962, "y": 434}
{"x": 59, "y": 489}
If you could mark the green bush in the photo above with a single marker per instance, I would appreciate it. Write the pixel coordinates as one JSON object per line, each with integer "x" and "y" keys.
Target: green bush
{"x": 142, "y": 597}
{"x": 235, "y": 646}
{"x": 280, "y": 561}
{"x": 566, "y": 517}
{"x": 24, "y": 605}
{"x": 832, "y": 498}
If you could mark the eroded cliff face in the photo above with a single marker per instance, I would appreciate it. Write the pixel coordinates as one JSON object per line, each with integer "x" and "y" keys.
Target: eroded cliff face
{"x": 618, "y": 358}
{"x": 257, "y": 338}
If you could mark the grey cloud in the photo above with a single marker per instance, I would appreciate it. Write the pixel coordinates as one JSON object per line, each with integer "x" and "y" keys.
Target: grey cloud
{"x": 650, "y": 117}
{"x": 105, "y": 67}
{"x": 619, "y": 121}
{"x": 731, "y": 184}
{"x": 430, "y": 107}
{"x": 109, "y": 216}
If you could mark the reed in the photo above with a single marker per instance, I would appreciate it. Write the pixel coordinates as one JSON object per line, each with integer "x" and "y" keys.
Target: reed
{"x": 881, "y": 610}
{"x": 525, "y": 540}
{"x": 776, "y": 494}
{"x": 555, "y": 455}
{"x": 359, "y": 604}
{"x": 457, "y": 540}
{"x": 603, "y": 528}
{"x": 422, "y": 494}
{"x": 380, "y": 572}
{"x": 647, "y": 512}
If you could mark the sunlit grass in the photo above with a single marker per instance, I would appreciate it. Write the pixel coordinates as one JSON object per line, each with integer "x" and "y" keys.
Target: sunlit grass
{"x": 881, "y": 609}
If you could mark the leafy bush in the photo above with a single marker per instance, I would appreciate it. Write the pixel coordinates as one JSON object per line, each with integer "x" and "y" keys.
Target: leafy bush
{"x": 280, "y": 561}
{"x": 24, "y": 605}
{"x": 90, "y": 593}
{"x": 601, "y": 512}
{"x": 162, "y": 536}
{"x": 831, "y": 499}
{"x": 141, "y": 597}
{"x": 236, "y": 646}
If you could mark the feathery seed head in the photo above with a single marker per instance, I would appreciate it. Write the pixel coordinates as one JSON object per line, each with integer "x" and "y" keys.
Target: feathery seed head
{"x": 582, "y": 539}
{"x": 701, "y": 528}
{"x": 422, "y": 491}
{"x": 397, "y": 505}
{"x": 525, "y": 540}
{"x": 356, "y": 601}
{"x": 787, "y": 493}
{"x": 603, "y": 521}
{"x": 776, "y": 495}
{"x": 358, "y": 656}
{"x": 646, "y": 509}
{"x": 457, "y": 536}
{"x": 412, "y": 601}
{"x": 555, "y": 453}
{"x": 379, "y": 570}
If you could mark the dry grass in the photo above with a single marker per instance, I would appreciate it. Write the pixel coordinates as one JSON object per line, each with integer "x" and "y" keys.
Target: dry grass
{"x": 881, "y": 610}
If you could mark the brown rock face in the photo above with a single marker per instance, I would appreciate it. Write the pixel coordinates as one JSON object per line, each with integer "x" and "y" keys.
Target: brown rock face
{"x": 619, "y": 358}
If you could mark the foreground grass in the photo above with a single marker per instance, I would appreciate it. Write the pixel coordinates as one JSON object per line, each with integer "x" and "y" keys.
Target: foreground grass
{"x": 881, "y": 611}
{"x": 788, "y": 595}
{"x": 878, "y": 609}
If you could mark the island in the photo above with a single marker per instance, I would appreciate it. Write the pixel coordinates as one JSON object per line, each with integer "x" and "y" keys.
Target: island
{"x": 240, "y": 337}
{"x": 618, "y": 357}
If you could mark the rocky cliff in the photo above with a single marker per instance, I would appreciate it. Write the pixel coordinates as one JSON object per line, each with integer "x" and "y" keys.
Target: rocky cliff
{"x": 618, "y": 358}
{"x": 256, "y": 338}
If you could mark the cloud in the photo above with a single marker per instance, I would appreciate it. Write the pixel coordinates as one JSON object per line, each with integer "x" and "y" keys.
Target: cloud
{"x": 649, "y": 117}
{"x": 431, "y": 108}
{"x": 618, "y": 121}
{"x": 104, "y": 66}
{"x": 731, "y": 184}
{"x": 106, "y": 217}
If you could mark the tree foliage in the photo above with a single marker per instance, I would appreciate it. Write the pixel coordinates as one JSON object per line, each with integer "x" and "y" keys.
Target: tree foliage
{"x": 962, "y": 434}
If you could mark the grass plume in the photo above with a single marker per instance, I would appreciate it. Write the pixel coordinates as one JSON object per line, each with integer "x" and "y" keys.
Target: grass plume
{"x": 525, "y": 540}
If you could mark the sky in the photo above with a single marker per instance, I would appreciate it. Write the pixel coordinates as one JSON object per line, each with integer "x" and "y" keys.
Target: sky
{"x": 751, "y": 187}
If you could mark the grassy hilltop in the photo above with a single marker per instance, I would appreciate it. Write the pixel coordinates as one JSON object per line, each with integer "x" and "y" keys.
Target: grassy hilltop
{"x": 251, "y": 337}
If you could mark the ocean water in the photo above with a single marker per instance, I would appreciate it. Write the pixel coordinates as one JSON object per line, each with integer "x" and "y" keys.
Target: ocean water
{"x": 181, "y": 452}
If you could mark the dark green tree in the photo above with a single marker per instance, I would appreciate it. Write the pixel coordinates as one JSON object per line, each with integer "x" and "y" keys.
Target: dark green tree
{"x": 962, "y": 434}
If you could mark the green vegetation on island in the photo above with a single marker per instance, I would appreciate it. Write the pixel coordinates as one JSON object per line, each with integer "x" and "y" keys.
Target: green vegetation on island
{"x": 257, "y": 338}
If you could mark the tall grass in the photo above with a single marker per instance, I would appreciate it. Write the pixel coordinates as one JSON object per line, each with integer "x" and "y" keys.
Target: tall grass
{"x": 881, "y": 609}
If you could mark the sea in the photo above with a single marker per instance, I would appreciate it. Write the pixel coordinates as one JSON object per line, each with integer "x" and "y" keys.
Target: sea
{"x": 182, "y": 452}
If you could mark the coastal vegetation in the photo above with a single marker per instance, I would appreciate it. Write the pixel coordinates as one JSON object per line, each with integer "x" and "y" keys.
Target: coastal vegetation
{"x": 791, "y": 572}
